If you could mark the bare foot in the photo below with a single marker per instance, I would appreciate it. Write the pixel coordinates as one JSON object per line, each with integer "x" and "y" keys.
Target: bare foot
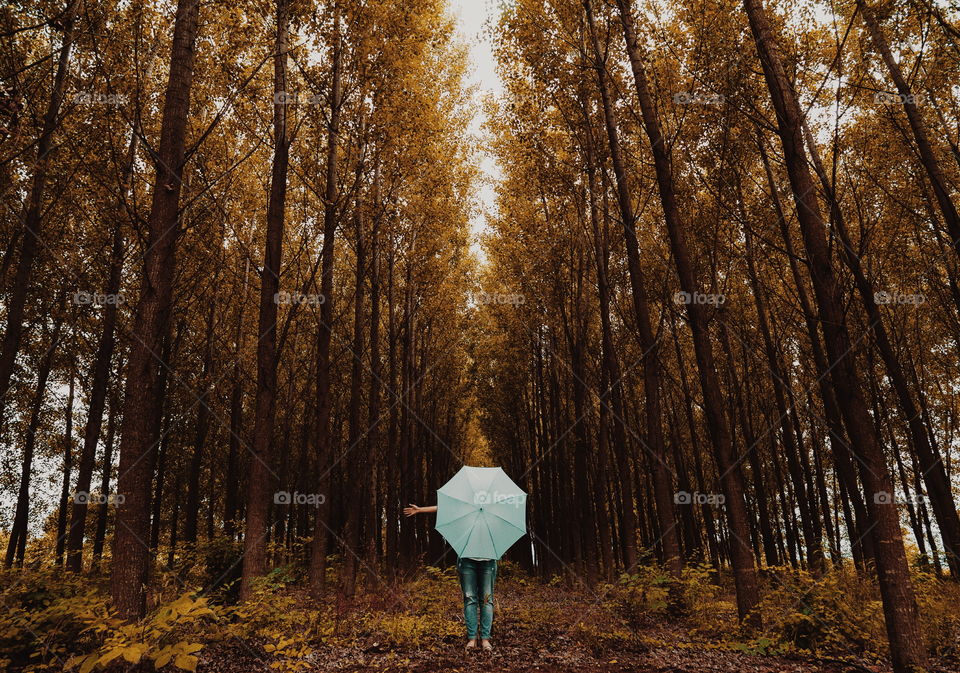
{"x": 486, "y": 645}
{"x": 471, "y": 644}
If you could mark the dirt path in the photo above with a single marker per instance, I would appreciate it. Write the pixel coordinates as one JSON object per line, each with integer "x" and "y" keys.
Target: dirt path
{"x": 537, "y": 628}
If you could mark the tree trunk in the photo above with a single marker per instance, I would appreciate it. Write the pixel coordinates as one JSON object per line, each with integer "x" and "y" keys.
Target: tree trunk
{"x": 261, "y": 475}
{"x": 322, "y": 431}
{"x": 33, "y": 216}
{"x": 64, "y": 508}
{"x": 731, "y": 477}
{"x": 131, "y": 556}
{"x": 103, "y": 508}
{"x": 355, "y": 462}
{"x": 200, "y": 439}
{"x": 900, "y": 608}
{"x": 16, "y": 544}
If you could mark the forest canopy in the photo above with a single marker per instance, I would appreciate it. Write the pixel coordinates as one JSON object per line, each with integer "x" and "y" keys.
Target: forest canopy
{"x": 273, "y": 270}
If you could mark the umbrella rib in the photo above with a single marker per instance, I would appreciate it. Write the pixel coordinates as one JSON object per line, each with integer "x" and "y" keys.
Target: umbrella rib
{"x": 447, "y": 523}
{"x": 454, "y": 497}
{"x": 507, "y": 521}
{"x": 473, "y": 529}
{"x": 492, "y": 542}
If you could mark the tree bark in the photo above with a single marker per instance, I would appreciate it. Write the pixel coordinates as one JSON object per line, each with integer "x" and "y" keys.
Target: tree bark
{"x": 731, "y": 477}
{"x": 33, "y": 216}
{"x": 322, "y": 431}
{"x": 131, "y": 556}
{"x": 261, "y": 483}
{"x": 900, "y": 608}
{"x": 16, "y": 544}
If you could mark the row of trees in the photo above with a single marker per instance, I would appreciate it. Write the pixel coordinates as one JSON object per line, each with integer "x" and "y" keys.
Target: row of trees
{"x": 738, "y": 333}
{"x": 235, "y": 267}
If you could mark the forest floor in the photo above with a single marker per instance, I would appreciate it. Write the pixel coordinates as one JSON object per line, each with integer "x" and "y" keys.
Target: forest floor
{"x": 538, "y": 627}
{"x": 830, "y": 623}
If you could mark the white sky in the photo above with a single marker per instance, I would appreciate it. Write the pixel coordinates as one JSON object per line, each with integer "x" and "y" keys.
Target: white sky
{"x": 472, "y": 17}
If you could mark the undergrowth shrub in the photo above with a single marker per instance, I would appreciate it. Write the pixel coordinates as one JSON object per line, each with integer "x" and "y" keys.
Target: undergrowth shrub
{"x": 939, "y": 604}
{"x": 172, "y": 634}
{"x": 652, "y": 592}
{"x": 415, "y": 631}
{"x": 636, "y": 596}
{"x": 837, "y": 612}
{"x": 46, "y": 616}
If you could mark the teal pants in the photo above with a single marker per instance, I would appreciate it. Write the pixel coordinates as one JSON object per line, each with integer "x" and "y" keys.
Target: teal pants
{"x": 476, "y": 583}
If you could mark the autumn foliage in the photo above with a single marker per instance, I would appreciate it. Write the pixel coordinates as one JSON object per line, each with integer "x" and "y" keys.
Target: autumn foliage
{"x": 272, "y": 270}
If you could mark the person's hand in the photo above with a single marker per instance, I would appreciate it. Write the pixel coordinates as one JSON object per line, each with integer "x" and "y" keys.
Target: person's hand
{"x": 412, "y": 509}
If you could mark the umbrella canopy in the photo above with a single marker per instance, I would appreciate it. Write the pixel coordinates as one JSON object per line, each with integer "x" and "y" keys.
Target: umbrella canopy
{"x": 481, "y": 512}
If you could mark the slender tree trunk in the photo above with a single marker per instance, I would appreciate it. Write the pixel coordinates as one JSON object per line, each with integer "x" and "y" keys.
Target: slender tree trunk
{"x": 374, "y": 393}
{"x": 900, "y": 608}
{"x": 100, "y": 533}
{"x": 322, "y": 431}
{"x": 99, "y": 375}
{"x": 131, "y": 555}
{"x": 231, "y": 498}
{"x": 162, "y": 424}
{"x": 352, "y": 551}
{"x": 16, "y": 544}
{"x": 64, "y": 508}
{"x": 33, "y": 215}
{"x": 261, "y": 475}
{"x": 200, "y": 438}
{"x": 731, "y": 477}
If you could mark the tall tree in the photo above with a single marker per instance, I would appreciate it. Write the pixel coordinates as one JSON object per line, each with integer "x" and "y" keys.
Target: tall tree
{"x": 262, "y": 475}
{"x": 900, "y": 608}
{"x": 131, "y": 554}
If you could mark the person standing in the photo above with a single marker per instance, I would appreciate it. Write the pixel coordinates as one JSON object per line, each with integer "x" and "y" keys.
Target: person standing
{"x": 477, "y": 578}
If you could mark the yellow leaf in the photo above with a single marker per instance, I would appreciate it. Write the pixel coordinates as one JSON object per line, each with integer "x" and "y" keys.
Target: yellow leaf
{"x": 134, "y": 652}
{"x": 163, "y": 657}
{"x": 110, "y": 655}
{"x": 187, "y": 662}
{"x": 88, "y": 664}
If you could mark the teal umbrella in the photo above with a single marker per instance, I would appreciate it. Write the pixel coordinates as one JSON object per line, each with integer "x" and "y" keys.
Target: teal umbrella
{"x": 481, "y": 512}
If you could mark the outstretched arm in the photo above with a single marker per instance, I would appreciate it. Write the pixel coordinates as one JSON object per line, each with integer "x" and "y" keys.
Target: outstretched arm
{"x": 415, "y": 509}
